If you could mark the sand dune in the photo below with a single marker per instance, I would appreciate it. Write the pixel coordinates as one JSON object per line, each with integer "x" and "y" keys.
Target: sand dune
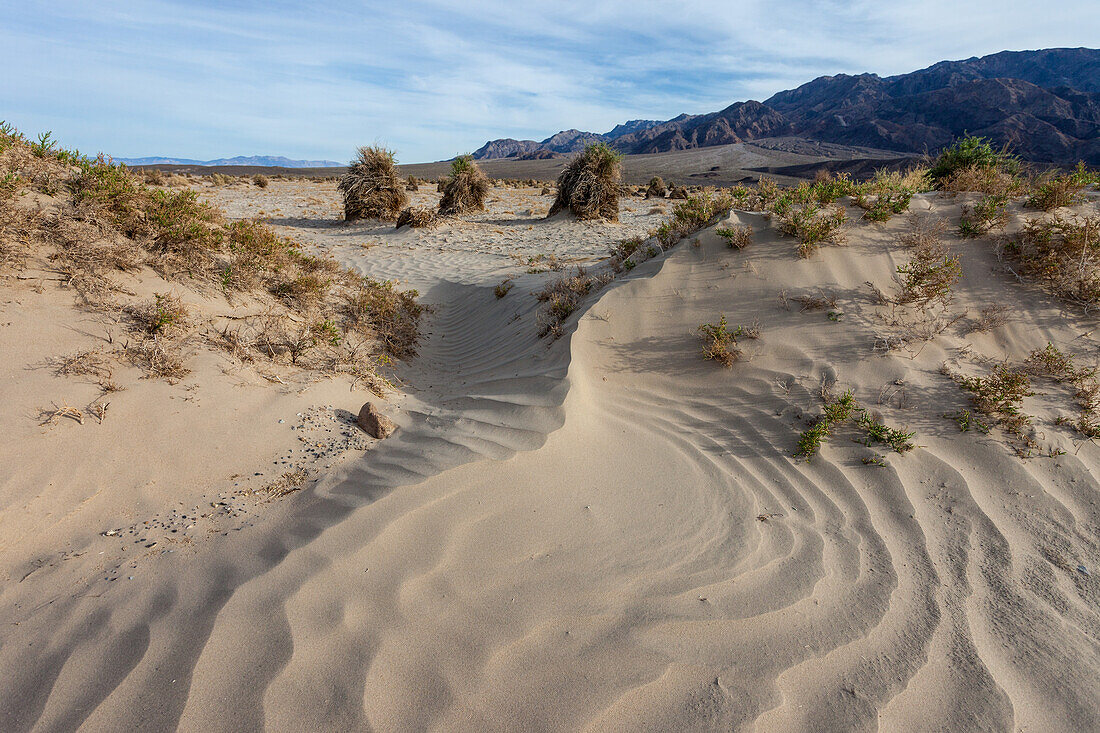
{"x": 607, "y": 532}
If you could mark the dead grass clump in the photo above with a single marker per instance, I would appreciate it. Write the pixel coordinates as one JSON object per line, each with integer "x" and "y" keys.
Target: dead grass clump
{"x": 412, "y": 184}
{"x": 1051, "y": 363}
{"x": 678, "y": 192}
{"x": 87, "y": 363}
{"x": 260, "y": 181}
{"x": 158, "y": 358}
{"x": 416, "y": 217}
{"x": 1062, "y": 254}
{"x": 503, "y": 288}
{"x": 990, "y": 317}
{"x": 371, "y": 187}
{"x": 656, "y": 188}
{"x": 154, "y": 176}
{"x": 466, "y": 189}
{"x": 589, "y": 185}
{"x": 923, "y": 231}
{"x": 736, "y": 237}
{"x": 287, "y": 484}
{"x": 380, "y": 311}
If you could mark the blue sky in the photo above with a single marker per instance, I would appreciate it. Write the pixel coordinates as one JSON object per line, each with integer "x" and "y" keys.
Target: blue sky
{"x": 432, "y": 79}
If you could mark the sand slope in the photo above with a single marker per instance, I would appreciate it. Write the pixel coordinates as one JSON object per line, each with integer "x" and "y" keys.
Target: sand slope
{"x": 568, "y": 537}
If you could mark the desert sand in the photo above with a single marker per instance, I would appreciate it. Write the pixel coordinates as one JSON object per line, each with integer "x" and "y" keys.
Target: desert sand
{"x": 598, "y": 532}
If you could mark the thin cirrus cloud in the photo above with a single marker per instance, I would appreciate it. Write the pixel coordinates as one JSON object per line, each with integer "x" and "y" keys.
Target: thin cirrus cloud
{"x": 432, "y": 78}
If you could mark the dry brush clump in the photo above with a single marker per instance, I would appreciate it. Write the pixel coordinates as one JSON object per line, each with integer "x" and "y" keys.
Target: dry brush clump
{"x": 656, "y": 188}
{"x": 416, "y": 217}
{"x": 1062, "y": 254}
{"x": 1053, "y": 190}
{"x": 563, "y": 296}
{"x": 466, "y": 188}
{"x": 973, "y": 164}
{"x": 988, "y": 213}
{"x": 371, "y": 186}
{"x": 929, "y": 276}
{"x": 589, "y": 185}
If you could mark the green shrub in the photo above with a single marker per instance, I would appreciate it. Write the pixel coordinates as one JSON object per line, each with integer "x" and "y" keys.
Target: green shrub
{"x": 971, "y": 152}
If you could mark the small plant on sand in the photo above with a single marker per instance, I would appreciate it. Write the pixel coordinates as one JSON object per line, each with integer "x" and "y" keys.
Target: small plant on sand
{"x": 877, "y": 431}
{"x": 563, "y": 296}
{"x": 720, "y": 343}
{"x": 163, "y": 315}
{"x": 812, "y": 226}
{"x": 691, "y": 215}
{"x": 371, "y": 187}
{"x": 842, "y": 409}
{"x": 967, "y": 421}
{"x": 503, "y": 288}
{"x": 929, "y": 275}
{"x": 988, "y": 213}
{"x": 885, "y": 205}
{"x": 260, "y": 181}
{"x": 736, "y": 237}
{"x": 589, "y": 184}
{"x": 999, "y": 395}
{"x": 466, "y": 189}
{"x": 1051, "y": 363}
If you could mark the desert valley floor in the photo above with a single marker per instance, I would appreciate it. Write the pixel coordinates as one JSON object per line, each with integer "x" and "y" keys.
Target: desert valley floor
{"x": 602, "y": 531}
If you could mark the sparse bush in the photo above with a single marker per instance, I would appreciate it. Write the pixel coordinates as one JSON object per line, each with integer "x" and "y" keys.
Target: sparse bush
{"x": 678, "y": 192}
{"x": 988, "y": 213}
{"x": 692, "y": 215}
{"x": 371, "y": 188}
{"x": 1000, "y": 395}
{"x": 164, "y": 315}
{"x": 589, "y": 185}
{"x": 415, "y": 217}
{"x": 736, "y": 237}
{"x": 1054, "y": 191}
{"x": 466, "y": 189}
{"x": 720, "y": 344}
{"x": 811, "y": 226}
{"x": 260, "y": 181}
{"x": 846, "y": 408}
{"x": 1062, "y": 254}
{"x": 563, "y": 296}
{"x": 503, "y": 288}
{"x": 877, "y": 431}
{"x": 412, "y": 184}
{"x": 885, "y": 205}
{"x": 929, "y": 275}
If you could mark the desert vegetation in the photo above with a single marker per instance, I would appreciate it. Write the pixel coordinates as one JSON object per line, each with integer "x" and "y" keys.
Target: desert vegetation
{"x": 305, "y": 310}
{"x": 720, "y": 343}
{"x": 466, "y": 189}
{"x": 371, "y": 187}
{"x": 839, "y": 410}
{"x": 589, "y": 185}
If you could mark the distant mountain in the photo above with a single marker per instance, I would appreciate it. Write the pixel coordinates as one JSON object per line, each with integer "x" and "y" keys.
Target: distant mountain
{"x": 255, "y": 160}
{"x": 1044, "y": 104}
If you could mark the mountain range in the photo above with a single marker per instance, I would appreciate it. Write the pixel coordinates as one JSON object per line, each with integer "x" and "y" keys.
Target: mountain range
{"x": 253, "y": 160}
{"x": 1044, "y": 105}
